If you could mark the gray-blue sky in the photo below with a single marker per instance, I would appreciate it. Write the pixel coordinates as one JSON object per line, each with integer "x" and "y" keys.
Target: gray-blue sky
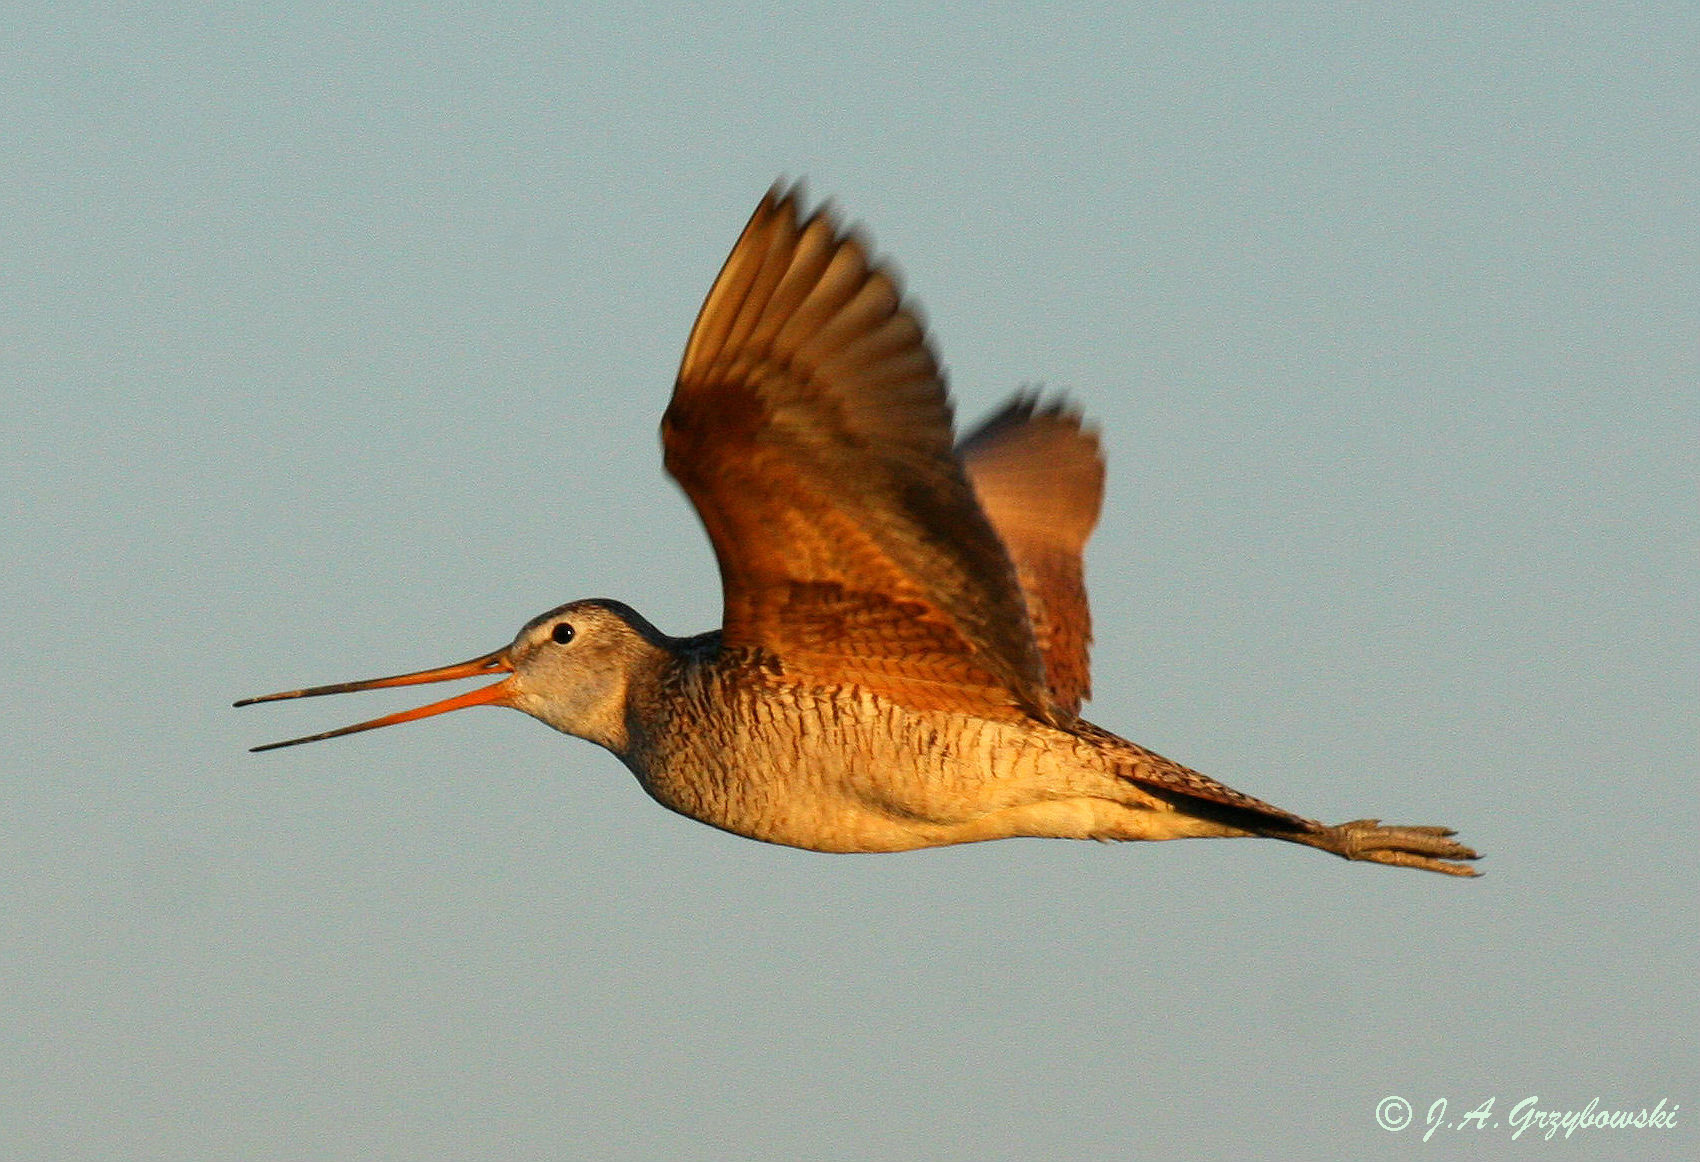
{"x": 337, "y": 342}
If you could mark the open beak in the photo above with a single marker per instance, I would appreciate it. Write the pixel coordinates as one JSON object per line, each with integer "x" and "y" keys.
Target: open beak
{"x": 498, "y": 694}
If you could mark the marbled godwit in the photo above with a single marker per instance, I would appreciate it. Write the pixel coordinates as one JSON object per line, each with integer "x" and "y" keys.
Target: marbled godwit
{"x": 904, "y": 648}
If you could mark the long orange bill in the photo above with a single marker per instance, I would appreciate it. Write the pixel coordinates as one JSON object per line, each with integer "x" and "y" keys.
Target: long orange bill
{"x": 493, "y": 695}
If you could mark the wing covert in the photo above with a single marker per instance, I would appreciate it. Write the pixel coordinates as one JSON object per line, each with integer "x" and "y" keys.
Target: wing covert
{"x": 1039, "y": 476}
{"x": 811, "y": 429}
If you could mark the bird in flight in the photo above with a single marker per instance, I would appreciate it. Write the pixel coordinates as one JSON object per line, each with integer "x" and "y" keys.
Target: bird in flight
{"x": 903, "y": 653}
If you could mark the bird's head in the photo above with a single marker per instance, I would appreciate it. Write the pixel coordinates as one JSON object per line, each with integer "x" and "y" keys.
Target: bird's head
{"x": 571, "y": 668}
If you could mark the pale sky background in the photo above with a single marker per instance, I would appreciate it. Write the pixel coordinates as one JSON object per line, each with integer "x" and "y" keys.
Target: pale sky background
{"x": 334, "y": 342}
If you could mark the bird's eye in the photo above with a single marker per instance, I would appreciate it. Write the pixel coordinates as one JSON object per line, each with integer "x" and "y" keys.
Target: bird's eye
{"x": 562, "y": 633}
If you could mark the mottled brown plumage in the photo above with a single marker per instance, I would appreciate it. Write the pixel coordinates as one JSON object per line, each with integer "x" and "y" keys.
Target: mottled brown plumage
{"x": 811, "y": 429}
{"x": 903, "y": 652}
{"x": 1039, "y": 478}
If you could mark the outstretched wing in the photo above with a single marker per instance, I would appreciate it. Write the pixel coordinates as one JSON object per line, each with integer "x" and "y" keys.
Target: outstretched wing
{"x": 1039, "y": 477}
{"x": 811, "y": 429}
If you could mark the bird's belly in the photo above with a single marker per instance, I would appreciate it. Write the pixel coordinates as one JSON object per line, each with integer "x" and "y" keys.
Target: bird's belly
{"x": 843, "y": 771}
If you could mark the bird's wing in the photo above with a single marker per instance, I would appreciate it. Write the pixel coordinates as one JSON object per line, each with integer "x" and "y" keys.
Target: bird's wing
{"x": 811, "y": 429}
{"x": 1039, "y": 477}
